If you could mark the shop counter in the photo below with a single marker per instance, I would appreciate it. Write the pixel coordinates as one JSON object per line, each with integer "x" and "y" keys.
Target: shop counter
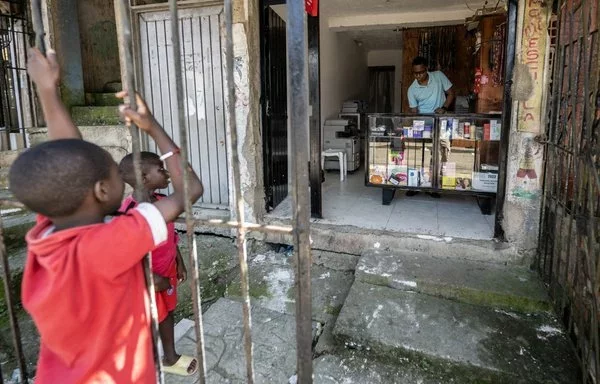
{"x": 446, "y": 153}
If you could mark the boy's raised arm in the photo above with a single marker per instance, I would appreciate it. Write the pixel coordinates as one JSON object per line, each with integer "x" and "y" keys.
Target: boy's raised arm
{"x": 173, "y": 205}
{"x": 45, "y": 73}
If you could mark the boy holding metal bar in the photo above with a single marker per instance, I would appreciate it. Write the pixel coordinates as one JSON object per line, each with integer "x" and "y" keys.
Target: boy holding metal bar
{"x": 83, "y": 282}
{"x": 168, "y": 268}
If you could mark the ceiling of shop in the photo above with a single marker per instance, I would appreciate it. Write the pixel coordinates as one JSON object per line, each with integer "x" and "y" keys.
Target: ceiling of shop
{"x": 354, "y": 7}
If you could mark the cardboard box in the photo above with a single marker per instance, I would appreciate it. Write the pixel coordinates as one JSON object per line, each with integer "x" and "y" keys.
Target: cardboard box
{"x": 485, "y": 181}
{"x": 378, "y": 153}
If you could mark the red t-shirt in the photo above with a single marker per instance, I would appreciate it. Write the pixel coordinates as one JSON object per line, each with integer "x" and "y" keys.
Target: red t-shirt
{"x": 165, "y": 254}
{"x": 84, "y": 288}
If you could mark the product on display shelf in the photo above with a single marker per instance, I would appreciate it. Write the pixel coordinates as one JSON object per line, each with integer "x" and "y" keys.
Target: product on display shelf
{"x": 495, "y": 128}
{"x": 425, "y": 177}
{"x": 396, "y": 157}
{"x": 413, "y": 177}
{"x": 486, "y": 132}
{"x": 485, "y": 181}
{"x": 448, "y": 182}
{"x": 463, "y": 183}
{"x": 398, "y": 175}
{"x": 419, "y": 125}
{"x": 377, "y": 174}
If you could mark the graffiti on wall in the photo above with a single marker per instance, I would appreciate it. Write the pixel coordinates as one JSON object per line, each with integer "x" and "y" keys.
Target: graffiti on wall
{"x": 527, "y": 180}
{"x": 533, "y": 56}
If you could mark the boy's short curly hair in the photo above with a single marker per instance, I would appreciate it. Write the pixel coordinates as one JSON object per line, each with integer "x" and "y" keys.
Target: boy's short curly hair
{"x": 126, "y": 165}
{"x": 419, "y": 60}
{"x": 53, "y": 178}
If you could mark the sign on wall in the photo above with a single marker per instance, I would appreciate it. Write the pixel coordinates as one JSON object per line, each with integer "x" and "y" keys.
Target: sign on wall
{"x": 533, "y": 55}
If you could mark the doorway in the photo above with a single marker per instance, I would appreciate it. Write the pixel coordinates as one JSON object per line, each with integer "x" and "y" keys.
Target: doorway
{"x": 381, "y": 89}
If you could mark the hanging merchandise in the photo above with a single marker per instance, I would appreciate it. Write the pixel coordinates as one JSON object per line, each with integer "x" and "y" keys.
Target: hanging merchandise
{"x": 497, "y": 55}
{"x": 437, "y": 45}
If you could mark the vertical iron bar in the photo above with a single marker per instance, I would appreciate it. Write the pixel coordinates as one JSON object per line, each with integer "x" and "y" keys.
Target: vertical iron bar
{"x": 239, "y": 202}
{"x": 316, "y": 201}
{"x": 189, "y": 218}
{"x": 299, "y": 126}
{"x": 12, "y": 316}
{"x": 123, "y": 18}
{"x": 38, "y": 25}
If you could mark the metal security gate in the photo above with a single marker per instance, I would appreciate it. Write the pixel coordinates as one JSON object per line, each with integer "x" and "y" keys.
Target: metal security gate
{"x": 275, "y": 119}
{"x": 204, "y": 90}
{"x": 17, "y": 110}
{"x": 569, "y": 246}
{"x": 300, "y": 224}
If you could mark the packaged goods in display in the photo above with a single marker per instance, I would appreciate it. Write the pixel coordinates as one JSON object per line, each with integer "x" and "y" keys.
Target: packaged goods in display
{"x": 448, "y": 182}
{"x": 396, "y": 157}
{"x": 495, "y": 128}
{"x": 485, "y": 181}
{"x": 413, "y": 177}
{"x": 398, "y": 175}
{"x": 463, "y": 183}
{"x": 425, "y": 177}
{"x": 377, "y": 174}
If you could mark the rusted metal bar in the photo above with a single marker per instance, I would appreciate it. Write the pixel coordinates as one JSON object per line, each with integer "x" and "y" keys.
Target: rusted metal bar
{"x": 8, "y": 203}
{"x": 189, "y": 218}
{"x": 38, "y": 25}
{"x": 12, "y": 316}
{"x": 250, "y": 227}
{"x": 299, "y": 128}
{"x": 123, "y": 14}
{"x": 237, "y": 187}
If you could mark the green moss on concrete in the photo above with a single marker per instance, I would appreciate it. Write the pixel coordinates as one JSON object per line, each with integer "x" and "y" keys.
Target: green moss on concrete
{"x": 102, "y": 99}
{"x": 375, "y": 280}
{"x": 333, "y": 310}
{"x": 256, "y": 290}
{"x": 91, "y": 116}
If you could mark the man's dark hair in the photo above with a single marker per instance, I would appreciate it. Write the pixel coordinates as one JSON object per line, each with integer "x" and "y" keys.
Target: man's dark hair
{"x": 53, "y": 178}
{"x": 419, "y": 60}
{"x": 126, "y": 165}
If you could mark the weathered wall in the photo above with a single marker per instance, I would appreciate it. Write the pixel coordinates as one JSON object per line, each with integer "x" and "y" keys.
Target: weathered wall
{"x": 99, "y": 49}
{"x": 525, "y": 154}
{"x": 247, "y": 105}
{"x": 344, "y": 70}
{"x": 63, "y": 23}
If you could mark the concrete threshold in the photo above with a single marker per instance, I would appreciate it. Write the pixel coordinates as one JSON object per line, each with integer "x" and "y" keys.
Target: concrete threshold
{"x": 356, "y": 241}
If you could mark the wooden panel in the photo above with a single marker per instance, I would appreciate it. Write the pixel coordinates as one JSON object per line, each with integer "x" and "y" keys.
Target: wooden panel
{"x": 99, "y": 49}
{"x": 490, "y": 97}
{"x": 204, "y": 104}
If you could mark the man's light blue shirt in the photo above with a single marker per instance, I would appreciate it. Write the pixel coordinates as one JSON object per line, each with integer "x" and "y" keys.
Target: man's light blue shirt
{"x": 428, "y": 98}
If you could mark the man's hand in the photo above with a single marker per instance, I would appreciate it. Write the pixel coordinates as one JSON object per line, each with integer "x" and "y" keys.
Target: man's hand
{"x": 143, "y": 118}
{"x": 441, "y": 110}
{"x": 43, "y": 70}
{"x": 161, "y": 283}
{"x": 181, "y": 269}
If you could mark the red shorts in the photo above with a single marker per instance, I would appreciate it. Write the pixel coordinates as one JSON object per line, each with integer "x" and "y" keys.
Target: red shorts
{"x": 166, "y": 301}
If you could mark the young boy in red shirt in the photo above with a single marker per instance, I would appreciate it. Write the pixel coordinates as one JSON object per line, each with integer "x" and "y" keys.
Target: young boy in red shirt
{"x": 167, "y": 264}
{"x": 83, "y": 282}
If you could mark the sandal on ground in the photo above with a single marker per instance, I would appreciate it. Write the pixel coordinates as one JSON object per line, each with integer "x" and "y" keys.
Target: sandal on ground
{"x": 181, "y": 366}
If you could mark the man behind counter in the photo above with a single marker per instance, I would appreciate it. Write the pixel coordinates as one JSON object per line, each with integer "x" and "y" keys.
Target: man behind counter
{"x": 431, "y": 92}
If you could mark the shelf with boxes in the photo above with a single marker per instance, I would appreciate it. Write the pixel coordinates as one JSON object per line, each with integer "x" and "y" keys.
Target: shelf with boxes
{"x": 433, "y": 153}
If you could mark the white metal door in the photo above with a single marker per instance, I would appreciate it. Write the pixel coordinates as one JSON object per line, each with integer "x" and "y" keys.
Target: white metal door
{"x": 203, "y": 81}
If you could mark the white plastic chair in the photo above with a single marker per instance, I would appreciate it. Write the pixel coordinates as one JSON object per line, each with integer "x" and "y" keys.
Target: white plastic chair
{"x": 341, "y": 155}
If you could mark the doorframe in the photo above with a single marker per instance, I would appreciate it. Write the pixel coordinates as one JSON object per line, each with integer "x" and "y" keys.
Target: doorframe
{"x": 314, "y": 84}
{"x": 510, "y": 44}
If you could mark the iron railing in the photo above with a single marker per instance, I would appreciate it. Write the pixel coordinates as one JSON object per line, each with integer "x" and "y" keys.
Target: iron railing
{"x": 17, "y": 106}
{"x": 301, "y": 209}
{"x": 569, "y": 246}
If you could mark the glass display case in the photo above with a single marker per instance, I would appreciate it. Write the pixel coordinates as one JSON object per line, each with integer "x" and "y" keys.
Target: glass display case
{"x": 433, "y": 153}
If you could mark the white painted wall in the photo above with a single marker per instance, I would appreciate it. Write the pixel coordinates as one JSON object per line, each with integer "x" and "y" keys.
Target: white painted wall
{"x": 344, "y": 71}
{"x": 382, "y": 58}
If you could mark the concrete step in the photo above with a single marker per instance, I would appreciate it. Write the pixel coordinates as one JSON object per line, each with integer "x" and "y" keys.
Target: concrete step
{"x": 511, "y": 288}
{"x": 95, "y": 116}
{"x": 397, "y": 324}
{"x": 102, "y": 99}
{"x": 273, "y": 336}
{"x": 356, "y": 241}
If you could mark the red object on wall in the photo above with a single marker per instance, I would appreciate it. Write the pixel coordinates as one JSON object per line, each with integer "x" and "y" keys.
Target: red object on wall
{"x": 312, "y": 7}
